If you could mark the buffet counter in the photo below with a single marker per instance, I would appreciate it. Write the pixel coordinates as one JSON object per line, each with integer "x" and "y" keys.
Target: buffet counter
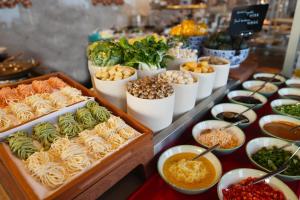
{"x": 177, "y": 129}
{"x": 165, "y": 137}
{"x": 156, "y": 188}
{"x": 179, "y": 133}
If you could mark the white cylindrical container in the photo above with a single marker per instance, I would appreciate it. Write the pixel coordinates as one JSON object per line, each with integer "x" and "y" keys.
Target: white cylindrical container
{"x": 176, "y": 62}
{"x": 185, "y": 97}
{"x": 142, "y": 73}
{"x": 93, "y": 69}
{"x": 114, "y": 91}
{"x": 222, "y": 72}
{"x": 156, "y": 114}
{"x": 205, "y": 83}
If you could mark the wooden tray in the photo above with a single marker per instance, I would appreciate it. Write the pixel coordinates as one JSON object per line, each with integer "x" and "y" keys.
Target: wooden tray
{"x": 96, "y": 180}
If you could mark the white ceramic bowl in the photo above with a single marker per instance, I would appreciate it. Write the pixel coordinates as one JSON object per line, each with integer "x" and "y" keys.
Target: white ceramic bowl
{"x": 236, "y": 93}
{"x": 292, "y": 81}
{"x": 273, "y": 118}
{"x": 237, "y": 175}
{"x": 289, "y": 91}
{"x": 209, "y": 124}
{"x": 222, "y": 71}
{"x": 256, "y": 144}
{"x": 231, "y": 107}
{"x": 248, "y": 84}
{"x": 280, "y": 102}
{"x": 192, "y": 149}
{"x": 270, "y": 75}
{"x": 205, "y": 83}
{"x": 235, "y": 58}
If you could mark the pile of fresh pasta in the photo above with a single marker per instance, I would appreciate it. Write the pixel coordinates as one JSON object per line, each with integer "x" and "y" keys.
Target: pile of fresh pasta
{"x": 53, "y": 153}
{"x": 29, "y": 101}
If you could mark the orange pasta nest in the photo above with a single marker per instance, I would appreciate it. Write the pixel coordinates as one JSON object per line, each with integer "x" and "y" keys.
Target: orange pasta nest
{"x": 7, "y": 94}
{"x": 56, "y": 83}
{"x": 25, "y": 90}
{"x": 22, "y": 91}
{"x": 42, "y": 87}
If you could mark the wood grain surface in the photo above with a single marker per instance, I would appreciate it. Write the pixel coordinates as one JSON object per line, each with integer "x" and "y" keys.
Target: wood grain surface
{"x": 99, "y": 178}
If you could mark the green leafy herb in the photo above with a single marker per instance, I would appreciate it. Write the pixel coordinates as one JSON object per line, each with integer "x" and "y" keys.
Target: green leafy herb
{"x": 105, "y": 53}
{"x": 273, "y": 158}
{"x": 291, "y": 109}
{"x": 146, "y": 53}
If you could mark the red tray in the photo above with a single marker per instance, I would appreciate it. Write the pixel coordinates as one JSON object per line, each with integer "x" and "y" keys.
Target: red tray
{"x": 156, "y": 188}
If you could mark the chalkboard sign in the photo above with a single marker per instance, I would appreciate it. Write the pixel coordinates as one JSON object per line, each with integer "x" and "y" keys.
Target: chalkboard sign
{"x": 247, "y": 19}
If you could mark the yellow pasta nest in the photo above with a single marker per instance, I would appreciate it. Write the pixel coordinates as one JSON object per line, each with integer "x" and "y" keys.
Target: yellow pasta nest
{"x": 71, "y": 154}
{"x": 115, "y": 122}
{"x": 96, "y": 146}
{"x": 58, "y": 146}
{"x": 49, "y": 173}
{"x": 74, "y": 158}
{"x": 40, "y": 105}
{"x": 127, "y": 133}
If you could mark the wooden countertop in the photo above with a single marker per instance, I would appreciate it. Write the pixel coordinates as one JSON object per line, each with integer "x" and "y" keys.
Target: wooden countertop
{"x": 248, "y": 67}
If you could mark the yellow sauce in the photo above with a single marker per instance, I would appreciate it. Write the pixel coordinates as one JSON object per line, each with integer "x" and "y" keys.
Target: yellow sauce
{"x": 202, "y": 180}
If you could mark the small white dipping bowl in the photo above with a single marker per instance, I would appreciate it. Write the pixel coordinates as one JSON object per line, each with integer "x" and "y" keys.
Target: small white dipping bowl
{"x": 292, "y": 81}
{"x": 275, "y": 118}
{"x": 210, "y": 124}
{"x": 231, "y": 107}
{"x": 280, "y": 102}
{"x": 248, "y": 84}
{"x": 270, "y": 75}
{"x": 237, "y": 175}
{"x": 283, "y": 92}
{"x": 191, "y": 149}
{"x": 245, "y": 93}
{"x": 256, "y": 144}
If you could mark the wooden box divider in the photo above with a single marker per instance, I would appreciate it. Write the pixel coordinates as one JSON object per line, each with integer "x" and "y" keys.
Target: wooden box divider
{"x": 95, "y": 181}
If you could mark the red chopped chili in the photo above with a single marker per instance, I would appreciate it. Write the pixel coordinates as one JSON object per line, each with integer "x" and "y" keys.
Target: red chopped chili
{"x": 245, "y": 191}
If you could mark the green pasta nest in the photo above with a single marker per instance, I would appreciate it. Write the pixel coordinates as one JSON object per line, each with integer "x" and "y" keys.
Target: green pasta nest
{"x": 100, "y": 113}
{"x": 45, "y": 133}
{"x": 68, "y": 125}
{"x": 21, "y": 145}
{"x": 85, "y": 118}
